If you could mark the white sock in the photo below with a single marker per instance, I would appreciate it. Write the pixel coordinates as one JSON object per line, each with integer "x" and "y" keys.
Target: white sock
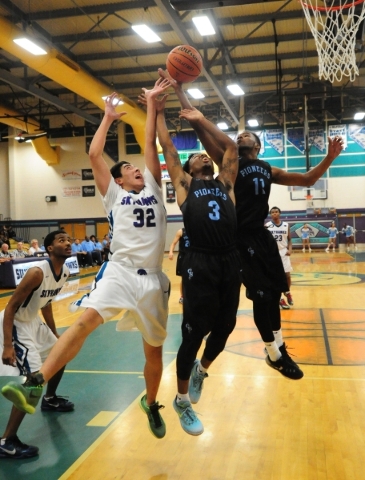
{"x": 182, "y": 397}
{"x": 273, "y": 351}
{"x": 278, "y": 338}
{"x": 200, "y": 368}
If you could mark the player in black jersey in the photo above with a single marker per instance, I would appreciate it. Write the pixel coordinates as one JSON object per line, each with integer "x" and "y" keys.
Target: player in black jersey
{"x": 262, "y": 269}
{"x": 182, "y": 239}
{"x": 210, "y": 268}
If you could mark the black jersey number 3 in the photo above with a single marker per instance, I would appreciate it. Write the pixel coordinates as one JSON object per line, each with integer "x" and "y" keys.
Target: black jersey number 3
{"x": 143, "y": 217}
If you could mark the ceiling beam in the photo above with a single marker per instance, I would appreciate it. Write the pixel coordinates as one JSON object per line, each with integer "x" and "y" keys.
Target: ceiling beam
{"x": 46, "y": 96}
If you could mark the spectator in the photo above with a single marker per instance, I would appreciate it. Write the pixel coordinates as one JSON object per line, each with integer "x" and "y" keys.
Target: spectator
{"x": 98, "y": 246}
{"x": 88, "y": 246}
{"x": 20, "y": 252}
{"x": 35, "y": 248}
{"x": 84, "y": 258}
{"x": 349, "y": 231}
{"x": 5, "y": 255}
{"x": 106, "y": 247}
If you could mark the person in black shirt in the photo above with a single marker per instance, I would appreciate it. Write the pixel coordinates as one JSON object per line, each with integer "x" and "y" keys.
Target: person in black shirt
{"x": 262, "y": 270}
{"x": 210, "y": 268}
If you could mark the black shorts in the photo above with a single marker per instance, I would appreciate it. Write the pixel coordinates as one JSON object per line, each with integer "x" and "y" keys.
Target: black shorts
{"x": 262, "y": 268}
{"x": 179, "y": 261}
{"x": 211, "y": 289}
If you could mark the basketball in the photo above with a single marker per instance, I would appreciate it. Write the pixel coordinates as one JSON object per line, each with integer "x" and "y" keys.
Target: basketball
{"x": 184, "y": 63}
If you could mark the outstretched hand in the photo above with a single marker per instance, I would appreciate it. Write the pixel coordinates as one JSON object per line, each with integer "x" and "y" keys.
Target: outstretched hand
{"x": 335, "y": 147}
{"x": 191, "y": 114}
{"x": 165, "y": 75}
{"x": 160, "y": 86}
{"x": 111, "y": 103}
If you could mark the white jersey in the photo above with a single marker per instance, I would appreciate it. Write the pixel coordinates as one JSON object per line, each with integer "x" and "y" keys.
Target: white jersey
{"x": 44, "y": 294}
{"x": 280, "y": 233}
{"x": 137, "y": 223}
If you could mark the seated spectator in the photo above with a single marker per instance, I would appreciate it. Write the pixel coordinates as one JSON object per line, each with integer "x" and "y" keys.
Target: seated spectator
{"x": 12, "y": 234}
{"x": 4, "y": 239}
{"x": 84, "y": 258}
{"x": 19, "y": 252}
{"x": 106, "y": 247}
{"x": 88, "y": 246}
{"x": 5, "y": 255}
{"x": 98, "y": 246}
{"x": 34, "y": 248}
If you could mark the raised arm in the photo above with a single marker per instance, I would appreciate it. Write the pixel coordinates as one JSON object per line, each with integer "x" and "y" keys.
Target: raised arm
{"x": 227, "y": 156}
{"x": 307, "y": 179}
{"x": 213, "y": 148}
{"x": 99, "y": 166}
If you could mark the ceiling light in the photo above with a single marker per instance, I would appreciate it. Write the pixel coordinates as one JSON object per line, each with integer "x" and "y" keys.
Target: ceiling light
{"x": 29, "y": 46}
{"x": 235, "y": 89}
{"x": 253, "y": 122}
{"x": 196, "y": 93}
{"x": 146, "y": 33}
{"x": 359, "y": 115}
{"x": 222, "y": 125}
{"x": 203, "y": 25}
{"x": 115, "y": 101}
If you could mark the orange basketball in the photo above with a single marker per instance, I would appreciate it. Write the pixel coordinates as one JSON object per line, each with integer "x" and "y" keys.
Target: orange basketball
{"x": 184, "y": 63}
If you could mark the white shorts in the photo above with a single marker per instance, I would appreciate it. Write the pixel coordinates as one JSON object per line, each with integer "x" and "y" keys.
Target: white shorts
{"x": 144, "y": 292}
{"x": 32, "y": 342}
{"x": 286, "y": 260}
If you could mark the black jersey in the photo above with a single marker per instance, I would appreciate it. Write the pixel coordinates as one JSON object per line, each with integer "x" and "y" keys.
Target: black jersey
{"x": 209, "y": 216}
{"x": 252, "y": 191}
{"x": 184, "y": 242}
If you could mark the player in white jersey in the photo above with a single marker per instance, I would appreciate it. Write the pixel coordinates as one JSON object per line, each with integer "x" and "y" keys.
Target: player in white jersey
{"x": 281, "y": 232}
{"x": 332, "y": 233}
{"x": 132, "y": 279}
{"x": 25, "y": 340}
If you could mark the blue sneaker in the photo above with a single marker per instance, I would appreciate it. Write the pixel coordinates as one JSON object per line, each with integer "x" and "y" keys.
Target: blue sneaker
{"x": 188, "y": 419}
{"x": 196, "y": 383}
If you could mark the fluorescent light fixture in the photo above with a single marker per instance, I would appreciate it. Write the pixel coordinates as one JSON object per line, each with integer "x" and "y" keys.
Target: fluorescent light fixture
{"x": 235, "y": 89}
{"x": 146, "y": 33}
{"x": 222, "y": 125}
{"x": 253, "y": 122}
{"x": 115, "y": 101}
{"x": 196, "y": 93}
{"x": 359, "y": 115}
{"x": 29, "y": 46}
{"x": 203, "y": 25}
{"x": 18, "y": 138}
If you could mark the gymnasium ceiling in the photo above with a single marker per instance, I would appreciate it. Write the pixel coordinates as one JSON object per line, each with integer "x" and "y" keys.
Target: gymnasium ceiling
{"x": 265, "y": 46}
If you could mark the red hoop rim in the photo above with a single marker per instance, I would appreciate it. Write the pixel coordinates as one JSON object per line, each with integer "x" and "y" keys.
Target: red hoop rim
{"x": 331, "y": 9}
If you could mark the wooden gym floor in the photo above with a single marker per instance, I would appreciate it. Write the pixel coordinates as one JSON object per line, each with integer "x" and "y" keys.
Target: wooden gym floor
{"x": 258, "y": 424}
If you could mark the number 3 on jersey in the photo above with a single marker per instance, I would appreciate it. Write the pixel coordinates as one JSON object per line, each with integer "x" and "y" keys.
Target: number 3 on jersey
{"x": 214, "y": 215}
{"x": 143, "y": 217}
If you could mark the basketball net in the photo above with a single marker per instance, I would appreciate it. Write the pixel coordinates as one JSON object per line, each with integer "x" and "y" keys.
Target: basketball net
{"x": 334, "y": 24}
{"x": 309, "y": 201}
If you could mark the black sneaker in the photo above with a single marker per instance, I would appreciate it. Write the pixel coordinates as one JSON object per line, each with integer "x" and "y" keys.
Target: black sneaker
{"x": 12, "y": 447}
{"x": 56, "y": 404}
{"x": 286, "y": 367}
{"x": 285, "y": 354}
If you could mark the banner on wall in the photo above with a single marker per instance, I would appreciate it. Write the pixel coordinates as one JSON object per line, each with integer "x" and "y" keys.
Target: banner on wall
{"x": 275, "y": 138}
{"x": 88, "y": 191}
{"x": 295, "y": 136}
{"x": 357, "y": 133}
{"x": 338, "y": 131}
{"x": 170, "y": 193}
{"x": 71, "y": 175}
{"x": 71, "y": 192}
{"x": 316, "y": 138}
{"x": 87, "y": 174}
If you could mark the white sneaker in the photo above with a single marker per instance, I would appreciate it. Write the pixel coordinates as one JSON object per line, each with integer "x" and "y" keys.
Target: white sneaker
{"x": 310, "y": 249}
{"x": 327, "y": 250}
{"x": 303, "y": 250}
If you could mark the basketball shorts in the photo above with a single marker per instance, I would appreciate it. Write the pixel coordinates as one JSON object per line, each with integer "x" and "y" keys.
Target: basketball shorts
{"x": 262, "y": 268}
{"x": 179, "y": 261}
{"x": 144, "y": 292}
{"x": 32, "y": 342}
{"x": 286, "y": 260}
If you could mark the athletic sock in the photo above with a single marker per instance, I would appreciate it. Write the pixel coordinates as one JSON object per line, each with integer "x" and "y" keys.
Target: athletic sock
{"x": 182, "y": 397}
{"x": 278, "y": 338}
{"x": 200, "y": 368}
{"x": 273, "y": 351}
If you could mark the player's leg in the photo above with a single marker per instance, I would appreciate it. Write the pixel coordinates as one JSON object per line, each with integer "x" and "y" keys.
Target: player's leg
{"x": 10, "y": 445}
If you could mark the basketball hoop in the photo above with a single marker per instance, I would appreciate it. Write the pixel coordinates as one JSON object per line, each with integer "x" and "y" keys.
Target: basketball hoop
{"x": 309, "y": 200}
{"x": 334, "y": 24}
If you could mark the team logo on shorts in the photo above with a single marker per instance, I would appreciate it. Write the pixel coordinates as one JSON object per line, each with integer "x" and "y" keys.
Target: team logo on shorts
{"x": 260, "y": 292}
{"x": 190, "y": 273}
{"x": 251, "y": 251}
{"x": 188, "y": 328}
